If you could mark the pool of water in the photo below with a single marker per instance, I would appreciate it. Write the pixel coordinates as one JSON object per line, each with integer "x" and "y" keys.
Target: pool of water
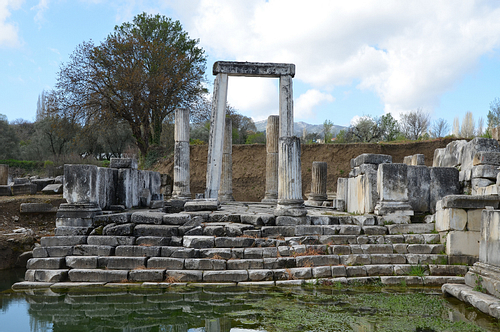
{"x": 237, "y": 309}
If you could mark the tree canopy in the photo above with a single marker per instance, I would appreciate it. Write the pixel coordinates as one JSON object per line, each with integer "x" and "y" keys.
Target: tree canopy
{"x": 139, "y": 74}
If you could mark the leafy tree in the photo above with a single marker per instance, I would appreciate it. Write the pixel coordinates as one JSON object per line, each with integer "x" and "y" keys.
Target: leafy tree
{"x": 24, "y": 130}
{"x": 389, "y": 127}
{"x": 366, "y": 129}
{"x": 139, "y": 74}
{"x": 415, "y": 123}
{"x": 327, "y": 130}
{"x": 10, "y": 142}
{"x": 494, "y": 114}
{"x": 439, "y": 128}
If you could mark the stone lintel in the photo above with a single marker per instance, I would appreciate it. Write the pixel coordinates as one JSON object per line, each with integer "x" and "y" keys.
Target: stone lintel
{"x": 253, "y": 69}
{"x": 470, "y": 202}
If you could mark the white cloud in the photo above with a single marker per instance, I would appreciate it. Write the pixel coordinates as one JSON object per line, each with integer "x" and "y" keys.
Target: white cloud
{"x": 254, "y": 97}
{"x": 8, "y": 31}
{"x": 305, "y": 103}
{"x": 40, "y": 9}
{"x": 408, "y": 53}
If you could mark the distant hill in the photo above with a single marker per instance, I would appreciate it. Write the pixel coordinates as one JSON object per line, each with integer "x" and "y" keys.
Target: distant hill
{"x": 298, "y": 127}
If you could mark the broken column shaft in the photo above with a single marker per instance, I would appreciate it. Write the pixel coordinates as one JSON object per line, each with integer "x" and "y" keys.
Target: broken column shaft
{"x": 181, "y": 188}
{"x": 226, "y": 181}
{"x": 318, "y": 184}
{"x": 290, "y": 202}
{"x": 272, "y": 132}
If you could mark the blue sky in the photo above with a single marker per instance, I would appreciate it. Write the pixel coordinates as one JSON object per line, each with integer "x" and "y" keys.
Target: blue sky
{"x": 352, "y": 59}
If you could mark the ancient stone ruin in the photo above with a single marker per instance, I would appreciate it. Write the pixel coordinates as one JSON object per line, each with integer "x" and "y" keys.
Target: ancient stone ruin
{"x": 387, "y": 218}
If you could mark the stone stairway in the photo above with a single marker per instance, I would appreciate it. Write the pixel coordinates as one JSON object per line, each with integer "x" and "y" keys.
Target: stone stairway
{"x": 242, "y": 247}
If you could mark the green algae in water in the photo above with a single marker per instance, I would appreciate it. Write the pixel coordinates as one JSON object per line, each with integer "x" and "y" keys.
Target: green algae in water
{"x": 360, "y": 312}
{"x": 358, "y": 309}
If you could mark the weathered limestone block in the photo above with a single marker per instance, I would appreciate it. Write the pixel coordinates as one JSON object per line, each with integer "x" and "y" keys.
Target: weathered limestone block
{"x": 41, "y": 275}
{"x": 119, "y": 230}
{"x": 93, "y": 250}
{"x": 146, "y": 275}
{"x": 183, "y": 275}
{"x": 81, "y": 262}
{"x": 470, "y": 202}
{"x": 122, "y": 263}
{"x": 369, "y": 158}
{"x": 51, "y": 189}
{"x": 392, "y": 182}
{"x": 477, "y": 183}
{"x": 451, "y": 219}
{"x": 176, "y": 219}
{"x": 97, "y": 275}
{"x": 102, "y": 240}
{"x": 474, "y": 220}
{"x": 204, "y": 264}
{"x": 487, "y": 158}
{"x": 463, "y": 243}
{"x": 479, "y": 145}
{"x": 485, "y": 171}
{"x": 37, "y": 208}
{"x": 155, "y": 230}
{"x": 260, "y": 275}
{"x": 418, "y": 159}
{"x": 137, "y": 251}
{"x": 81, "y": 184}
{"x": 4, "y": 174}
{"x": 165, "y": 263}
{"x": 202, "y": 205}
{"x": 24, "y": 189}
{"x": 342, "y": 193}
{"x": 123, "y": 163}
{"x": 46, "y": 263}
{"x": 444, "y": 182}
{"x": 199, "y": 242}
{"x": 146, "y": 217}
{"x": 418, "y": 184}
{"x": 245, "y": 264}
{"x": 225, "y": 276}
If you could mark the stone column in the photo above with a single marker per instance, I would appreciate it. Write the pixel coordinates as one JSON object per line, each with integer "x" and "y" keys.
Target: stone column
{"x": 181, "y": 188}
{"x": 290, "y": 202}
{"x": 226, "y": 181}
{"x": 214, "y": 160}
{"x": 286, "y": 106}
{"x": 318, "y": 184}
{"x": 272, "y": 131}
{"x": 4, "y": 174}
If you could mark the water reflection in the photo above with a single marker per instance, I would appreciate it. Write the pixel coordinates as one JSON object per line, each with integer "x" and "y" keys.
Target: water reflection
{"x": 221, "y": 310}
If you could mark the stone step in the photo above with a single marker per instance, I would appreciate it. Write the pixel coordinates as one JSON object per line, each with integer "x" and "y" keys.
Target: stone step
{"x": 394, "y": 274}
{"x": 212, "y": 241}
{"x": 234, "y": 248}
{"x": 238, "y": 260}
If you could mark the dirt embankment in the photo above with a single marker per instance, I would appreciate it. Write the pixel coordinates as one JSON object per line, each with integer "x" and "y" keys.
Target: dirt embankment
{"x": 249, "y": 163}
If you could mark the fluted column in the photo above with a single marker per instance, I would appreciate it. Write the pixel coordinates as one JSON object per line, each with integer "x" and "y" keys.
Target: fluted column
{"x": 181, "y": 188}
{"x": 272, "y": 132}
{"x": 318, "y": 184}
{"x": 226, "y": 180}
{"x": 290, "y": 202}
